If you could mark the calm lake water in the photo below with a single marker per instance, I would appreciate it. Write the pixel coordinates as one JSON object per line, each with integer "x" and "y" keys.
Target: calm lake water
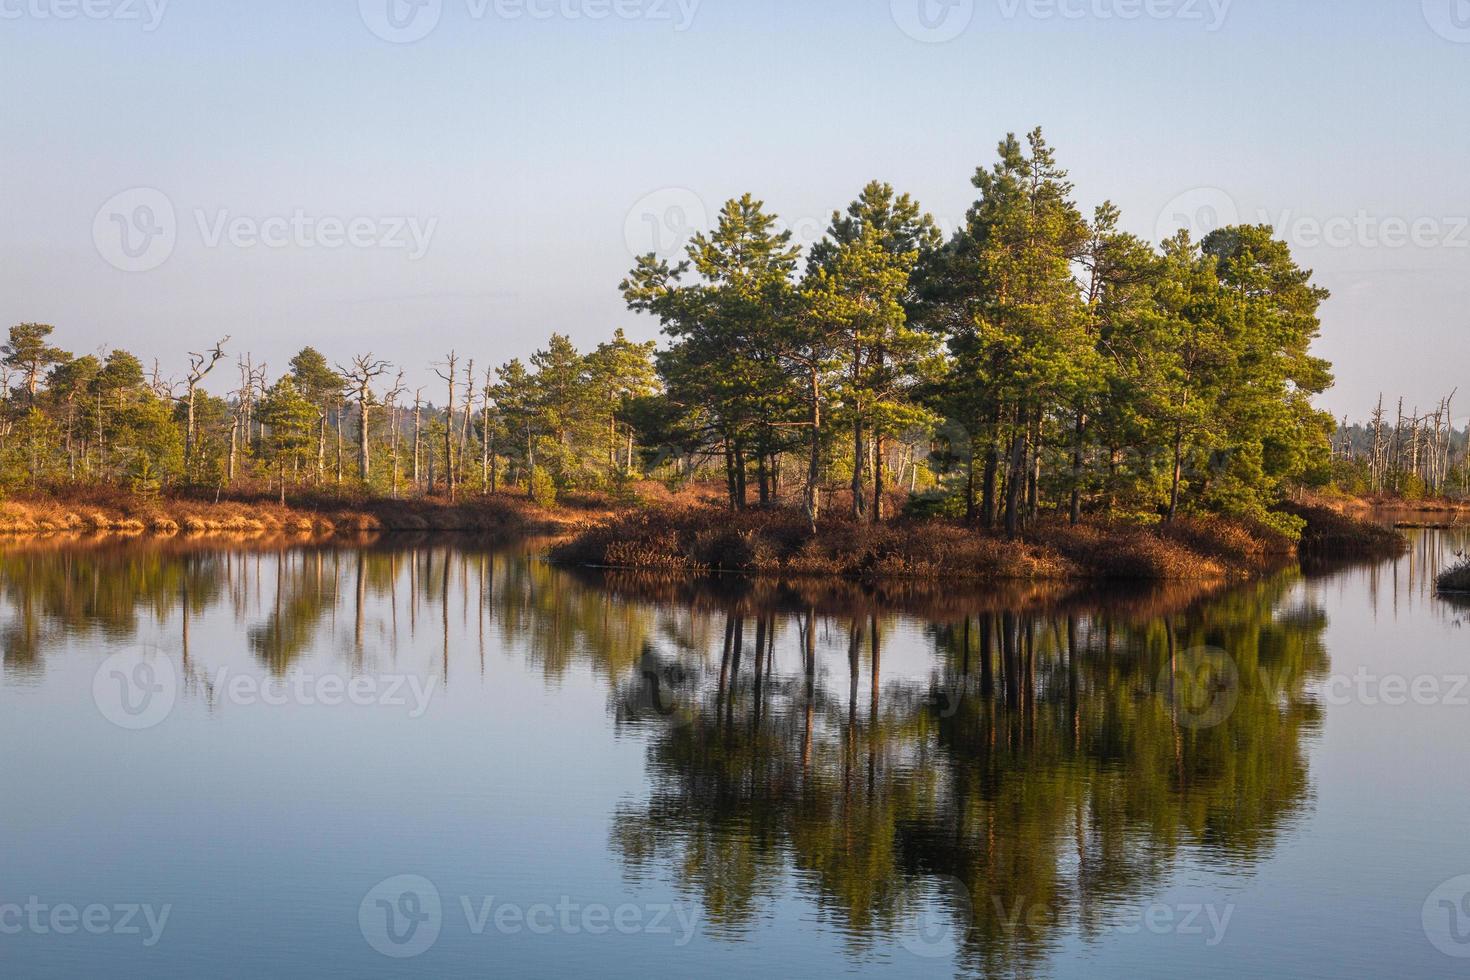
{"x": 453, "y": 761}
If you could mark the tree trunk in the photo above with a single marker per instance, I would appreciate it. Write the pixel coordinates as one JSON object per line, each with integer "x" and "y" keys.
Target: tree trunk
{"x": 1077, "y": 460}
{"x": 814, "y": 462}
{"x": 741, "y": 476}
{"x": 449, "y": 444}
{"x": 877, "y": 477}
{"x": 1178, "y": 472}
{"x": 188, "y": 431}
{"x": 364, "y": 462}
{"x": 990, "y": 503}
{"x": 234, "y": 448}
{"x": 321, "y": 449}
{"x": 971, "y": 510}
{"x": 1033, "y": 475}
{"x": 530, "y": 459}
{"x": 1016, "y": 478}
{"x": 763, "y": 476}
{"x": 730, "y": 483}
{"x": 485, "y": 447}
{"x": 859, "y": 501}
{"x": 393, "y": 451}
{"x": 417, "y": 438}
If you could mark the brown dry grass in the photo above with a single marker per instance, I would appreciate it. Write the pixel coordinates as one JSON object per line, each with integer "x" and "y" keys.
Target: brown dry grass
{"x": 101, "y": 509}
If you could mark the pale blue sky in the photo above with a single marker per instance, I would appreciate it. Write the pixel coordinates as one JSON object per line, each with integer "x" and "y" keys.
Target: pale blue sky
{"x": 520, "y": 149}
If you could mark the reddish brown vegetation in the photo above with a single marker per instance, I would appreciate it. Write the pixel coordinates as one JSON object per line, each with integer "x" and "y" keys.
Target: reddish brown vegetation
{"x": 103, "y": 509}
{"x": 703, "y": 539}
{"x": 1331, "y": 534}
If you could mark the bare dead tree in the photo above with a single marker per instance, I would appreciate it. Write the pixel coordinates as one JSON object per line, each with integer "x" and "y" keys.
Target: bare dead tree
{"x": 359, "y": 378}
{"x": 450, "y": 375}
{"x": 199, "y": 367}
{"x": 1380, "y": 448}
{"x": 391, "y": 400}
{"x": 418, "y": 415}
{"x": 487, "y": 439}
{"x": 469, "y": 409}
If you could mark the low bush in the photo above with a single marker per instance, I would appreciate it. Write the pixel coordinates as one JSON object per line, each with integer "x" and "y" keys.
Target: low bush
{"x": 1455, "y": 580}
{"x": 708, "y": 539}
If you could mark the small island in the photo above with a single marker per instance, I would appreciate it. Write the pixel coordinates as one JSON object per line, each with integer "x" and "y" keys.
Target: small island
{"x": 1041, "y": 394}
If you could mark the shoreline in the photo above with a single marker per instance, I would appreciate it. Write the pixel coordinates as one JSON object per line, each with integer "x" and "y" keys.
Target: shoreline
{"x": 321, "y": 517}
{"x": 696, "y": 540}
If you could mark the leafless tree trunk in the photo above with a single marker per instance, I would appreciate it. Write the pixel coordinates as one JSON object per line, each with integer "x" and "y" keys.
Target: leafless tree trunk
{"x": 393, "y": 431}
{"x": 451, "y": 378}
{"x": 360, "y": 377}
{"x": 418, "y": 401}
{"x": 199, "y": 367}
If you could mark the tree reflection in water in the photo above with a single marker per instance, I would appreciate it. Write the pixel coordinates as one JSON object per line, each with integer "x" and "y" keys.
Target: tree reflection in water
{"x": 1048, "y": 764}
{"x": 1049, "y": 771}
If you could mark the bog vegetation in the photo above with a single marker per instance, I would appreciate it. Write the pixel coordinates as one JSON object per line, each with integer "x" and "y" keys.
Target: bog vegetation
{"x": 1039, "y": 362}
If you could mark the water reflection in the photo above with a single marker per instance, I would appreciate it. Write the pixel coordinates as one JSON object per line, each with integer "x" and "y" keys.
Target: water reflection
{"x": 976, "y": 776}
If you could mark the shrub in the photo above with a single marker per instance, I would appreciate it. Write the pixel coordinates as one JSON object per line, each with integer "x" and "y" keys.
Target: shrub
{"x": 543, "y": 488}
{"x": 1457, "y": 579}
{"x": 709, "y": 539}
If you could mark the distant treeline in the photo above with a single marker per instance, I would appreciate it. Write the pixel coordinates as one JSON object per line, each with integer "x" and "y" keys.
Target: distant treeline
{"x": 1407, "y": 453}
{"x": 1036, "y": 362}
